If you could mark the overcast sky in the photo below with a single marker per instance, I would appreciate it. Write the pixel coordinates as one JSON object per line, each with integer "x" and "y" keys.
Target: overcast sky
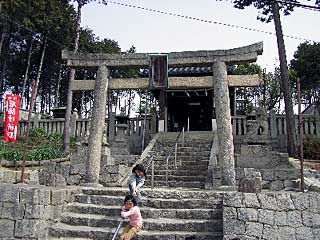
{"x": 152, "y": 32}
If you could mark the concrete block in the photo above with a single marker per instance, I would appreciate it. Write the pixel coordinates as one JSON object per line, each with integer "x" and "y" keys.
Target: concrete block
{"x": 9, "y": 193}
{"x": 280, "y": 218}
{"x": 58, "y": 196}
{"x": 254, "y": 229}
{"x": 294, "y": 219}
{"x": 34, "y": 211}
{"x": 303, "y": 233}
{"x": 234, "y": 227}
{"x": 229, "y": 213}
{"x": 27, "y": 228}
{"x": 266, "y": 216}
{"x": 12, "y": 211}
{"x": 286, "y": 233}
{"x": 247, "y": 214}
{"x": 233, "y": 199}
{"x": 7, "y": 228}
{"x": 251, "y": 200}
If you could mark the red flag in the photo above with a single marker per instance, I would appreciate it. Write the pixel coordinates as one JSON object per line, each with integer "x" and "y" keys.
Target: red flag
{"x": 11, "y": 119}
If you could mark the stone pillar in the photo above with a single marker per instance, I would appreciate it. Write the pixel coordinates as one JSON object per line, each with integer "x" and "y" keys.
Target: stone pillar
{"x": 36, "y": 118}
{"x": 73, "y": 123}
{"x": 112, "y": 123}
{"x": 224, "y": 127}
{"x": 273, "y": 124}
{"x": 153, "y": 124}
{"x": 163, "y": 111}
{"x": 121, "y": 132}
{"x": 97, "y": 127}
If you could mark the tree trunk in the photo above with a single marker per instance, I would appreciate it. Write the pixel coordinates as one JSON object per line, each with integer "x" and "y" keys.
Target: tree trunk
{"x": 40, "y": 69}
{"x": 2, "y": 45}
{"x": 129, "y": 103}
{"x": 41, "y": 62}
{"x": 42, "y": 101}
{"x": 26, "y": 72}
{"x": 69, "y": 93}
{"x": 3, "y": 31}
{"x": 6, "y": 51}
{"x": 286, "y": 88}
{"x": 57, "y": 100}
{"x": 2, "y": 40}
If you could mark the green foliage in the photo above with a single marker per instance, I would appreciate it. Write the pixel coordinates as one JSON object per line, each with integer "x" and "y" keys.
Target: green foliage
{"x": 37, "y": 133}
{"x": 306, "y": 66}
{"x": 267, "y": 95}
{"x": 42, "y": 146}
{"x": 247, "y": 69}
{"x": 311, "y": 148}
{"x": 45, "y": 153}
{"x": 264, "y": 7}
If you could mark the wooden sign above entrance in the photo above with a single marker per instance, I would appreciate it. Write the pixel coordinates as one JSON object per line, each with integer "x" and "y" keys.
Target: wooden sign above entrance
{"x": 158, "y": 71}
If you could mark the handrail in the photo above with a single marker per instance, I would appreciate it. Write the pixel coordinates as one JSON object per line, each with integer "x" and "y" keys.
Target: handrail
{"x": 117, "y": 230}
{"x": 175, "y": 154}
{"x": 151, "y": 162}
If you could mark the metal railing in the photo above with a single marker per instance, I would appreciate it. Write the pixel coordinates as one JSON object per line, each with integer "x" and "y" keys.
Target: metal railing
{"x": 151, "y": 163}
{"x": 117, "y": 230}
{"x": 174, "y": 151}
{"x": 175, "y": 154}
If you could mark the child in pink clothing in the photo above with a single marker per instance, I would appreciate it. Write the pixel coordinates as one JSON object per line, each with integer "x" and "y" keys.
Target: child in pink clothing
{"x": 131, "y": 210}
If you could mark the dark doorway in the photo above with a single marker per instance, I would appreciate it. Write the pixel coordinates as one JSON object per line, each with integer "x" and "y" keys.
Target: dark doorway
{"x": 193, "y": 108}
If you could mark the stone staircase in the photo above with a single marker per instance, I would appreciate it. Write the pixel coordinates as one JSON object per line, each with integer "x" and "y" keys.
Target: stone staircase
{"x": 122, "y": 155}
{"x": 168, "y": 215}
{"x": 192, "y": 164}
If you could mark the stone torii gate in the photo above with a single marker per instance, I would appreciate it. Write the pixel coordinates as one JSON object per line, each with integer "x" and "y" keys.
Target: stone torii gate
{"x": 217, "y": 59}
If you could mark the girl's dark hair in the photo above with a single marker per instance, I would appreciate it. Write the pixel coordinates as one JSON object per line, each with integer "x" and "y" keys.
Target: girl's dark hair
{"x": 130, "y": 198}
{"x": 141, "y": 168}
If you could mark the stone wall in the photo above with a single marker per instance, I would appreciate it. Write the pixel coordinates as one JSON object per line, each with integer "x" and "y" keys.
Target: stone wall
{"x": 10, "y": 175}
{"x": 27, "y": 211}
{"x": 62, "y": 173}
{"x": 275, "y": 179}
{"x": 285, "y": 216}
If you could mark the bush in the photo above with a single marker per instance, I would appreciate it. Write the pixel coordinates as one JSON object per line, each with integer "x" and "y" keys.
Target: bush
{"x": 37, "y": 133}
{"x": 44, "y": 154}
{"x": 311, "y": 148}
{"x": 41, "y": 146}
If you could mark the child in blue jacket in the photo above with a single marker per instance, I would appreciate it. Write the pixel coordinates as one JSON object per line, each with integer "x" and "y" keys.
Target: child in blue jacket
{"x": 136, "y": 181}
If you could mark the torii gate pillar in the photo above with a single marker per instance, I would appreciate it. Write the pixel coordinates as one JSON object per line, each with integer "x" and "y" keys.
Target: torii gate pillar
{"x": 97, "y": 127}
{"x": 224, "y": 127}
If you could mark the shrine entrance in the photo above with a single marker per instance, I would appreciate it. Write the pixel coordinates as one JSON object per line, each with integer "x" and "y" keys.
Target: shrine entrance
{"x": 190, "y": 109}
{"x": 177, "y": 107}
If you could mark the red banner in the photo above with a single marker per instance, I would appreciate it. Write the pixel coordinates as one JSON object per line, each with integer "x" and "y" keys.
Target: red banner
{"x": 11, "y": 119}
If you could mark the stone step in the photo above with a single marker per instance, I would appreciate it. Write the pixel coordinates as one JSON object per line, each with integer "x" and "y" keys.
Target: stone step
{"x": 68, "y": 238}
{"x": 160, "y": 224}
{"x": 200, "y": 167}
{"x": 178, "y": 172}
{"x": 185, "y": 148}
{"x": 157, "y": 193}
{"x": 183, "y": 161}
{"x": 185, "y": 154}
{"x": 147, "y": 212}
{"x": 185, "y": 144}
{"x": 184, "y": 203}
{"x": 178, "y": 184}
{"x": 196, "y": 157}
{"x": 187, "y": 178}
{"x": 182, "y": 152}
{"x": 71, "y": 232}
